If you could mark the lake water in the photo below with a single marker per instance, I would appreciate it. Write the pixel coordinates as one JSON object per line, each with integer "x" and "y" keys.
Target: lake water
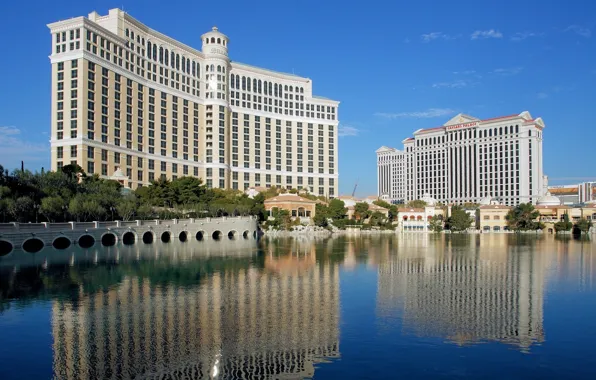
{"x": 410, "y": 306}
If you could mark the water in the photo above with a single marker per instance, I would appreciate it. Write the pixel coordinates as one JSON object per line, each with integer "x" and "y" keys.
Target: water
{"x": 483, "y": 306}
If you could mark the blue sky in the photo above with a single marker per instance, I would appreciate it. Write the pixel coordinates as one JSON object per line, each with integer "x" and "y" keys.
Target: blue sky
{"x": 395, "y": 67}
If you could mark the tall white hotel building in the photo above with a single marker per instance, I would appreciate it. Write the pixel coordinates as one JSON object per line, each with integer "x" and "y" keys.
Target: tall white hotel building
{"x": 126, "y": 96}
{"x": 467, "y": 160}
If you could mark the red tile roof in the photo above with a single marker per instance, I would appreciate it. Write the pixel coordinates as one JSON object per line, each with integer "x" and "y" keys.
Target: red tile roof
{"x": 289, "y": 198}
{"x": 499, "y": 117}
{"x": 431, "y": 129}
{"x": 494, "y": 207}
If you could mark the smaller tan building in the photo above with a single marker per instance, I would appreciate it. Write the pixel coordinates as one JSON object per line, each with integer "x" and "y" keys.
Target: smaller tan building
{"x": 492, "y": 218}
{"x": 350, "y": 202}
{"x": 296, "y": 205}
{"x": 412, "y": 219}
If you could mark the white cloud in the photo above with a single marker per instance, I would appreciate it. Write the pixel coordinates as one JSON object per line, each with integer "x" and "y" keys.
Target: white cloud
{"x": 483, "y": 34}
{"x": 542, "y": 95}
{"x": 460, "y": 83}
{"x": 520, "y": 36}
{"x": 14, "y": 148}
{"x": 435, "y": 36}
{"x": 572, "y": 179}
{"x": 508, "y": 71}
{"x": 430, "y": 113}
{"x": 8, "y": 131}
{"x": 347, "y": 130}
{"x": 465, "y": 72}
{"x": 582, "y": 31}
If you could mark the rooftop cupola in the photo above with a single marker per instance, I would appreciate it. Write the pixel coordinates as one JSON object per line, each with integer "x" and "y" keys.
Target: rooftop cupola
{"x": 215, "y": 42}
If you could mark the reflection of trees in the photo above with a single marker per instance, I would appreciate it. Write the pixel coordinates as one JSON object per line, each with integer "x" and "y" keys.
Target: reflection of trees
{"x": 63, "y": 281}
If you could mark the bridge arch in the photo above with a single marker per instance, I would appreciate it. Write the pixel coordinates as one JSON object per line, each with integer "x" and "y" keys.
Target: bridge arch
{"x": 33, "y": 245}
{"x": 183, "y": 236}
{"x": 129, "y": 238}
{"x": 216, "y": 235}
{"x": 232, "y": 235}
{"x": 108, "y": 239}
{"x": 246, "y": 234}
{"x": 61, "y": 242}
{"x": 200, "y": 235}
{"x": 148, "y": 237}
{"x": 166, "y": 236}
{"x": 6, "y": 247}
{"x": 86, "y": 241}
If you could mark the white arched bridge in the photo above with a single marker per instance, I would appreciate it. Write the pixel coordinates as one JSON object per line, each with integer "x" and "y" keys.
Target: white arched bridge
{"x": 33, "y": 237}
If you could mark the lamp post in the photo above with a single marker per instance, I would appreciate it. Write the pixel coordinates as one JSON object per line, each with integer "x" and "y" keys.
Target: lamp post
{"x": 36, "y": 207}
{"x": 112, "y": 209}
{"x": 64, "y": 208}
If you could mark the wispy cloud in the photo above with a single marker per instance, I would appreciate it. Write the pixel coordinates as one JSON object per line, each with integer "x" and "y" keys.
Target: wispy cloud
{"x": 429, "y": 113}
{"x": 436, "y": 36}
{"x": 460, "y": 83}
{"x": 465, "y": 72}
{"x": 483, "y": 34}
{"x": 579, "y": 30}
{"x": 555, "y": 90}
{"x": 520, "y": 36}
{"x": 14, "y": 148}
{"x": 571, "y": 178}
{"x": 507, "y": 72}
{"x": 347, "y": 130}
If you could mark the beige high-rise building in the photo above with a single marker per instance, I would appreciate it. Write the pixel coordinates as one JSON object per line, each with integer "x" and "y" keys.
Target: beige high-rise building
{"x": 126, "y": 96}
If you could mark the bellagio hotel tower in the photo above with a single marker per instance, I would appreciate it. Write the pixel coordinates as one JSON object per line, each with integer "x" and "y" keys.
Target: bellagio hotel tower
{"x": 126, "y": 96}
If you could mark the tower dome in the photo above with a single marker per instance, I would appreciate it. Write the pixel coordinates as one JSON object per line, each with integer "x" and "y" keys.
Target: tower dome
{"x": 489, "y": 201}
{"x": 430, "y": 201}
{"x": 548, "y": 200}
{"x": 215, "y": 42}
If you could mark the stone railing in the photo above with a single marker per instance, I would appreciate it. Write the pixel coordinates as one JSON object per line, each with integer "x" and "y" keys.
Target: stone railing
{"x": 32, "y": 227}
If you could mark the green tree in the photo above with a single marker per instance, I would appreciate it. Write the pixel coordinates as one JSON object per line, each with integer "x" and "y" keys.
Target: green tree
{"x": 418, "y": 203}
{"x": 523, "y": 217}
{"x": 127, "y": 207}
{"x": 436, "y": 223}
{"x": 392, "y": 208}
{"x": 377, "y": 219}
{"x": 583, "y": 225}
{"x": 187, "y": 190}
{"x": 336, "y": 209}
{"x": 21, "y": 209}
{"x": 564, "y": 225}
{"x": 459, "y": 220}
{"x": 258, "y": 207}
{"x": 361, "y": 211}
{"x": 145, "y": 212}
{"x": 281, "y": 219}
{"x": 86, "y": 209}
{"x": 321, "y": 215}
{"x": 53, "y": 208}
{"x": 73, "y": 171}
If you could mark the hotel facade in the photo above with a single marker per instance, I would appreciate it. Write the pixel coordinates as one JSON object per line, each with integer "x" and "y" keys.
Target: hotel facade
{"x": 126, "y": 96}
{"x": 466, "y": 160}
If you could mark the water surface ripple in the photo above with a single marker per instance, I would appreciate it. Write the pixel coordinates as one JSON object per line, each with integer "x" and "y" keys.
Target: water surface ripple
{"x": 415, "y": 306}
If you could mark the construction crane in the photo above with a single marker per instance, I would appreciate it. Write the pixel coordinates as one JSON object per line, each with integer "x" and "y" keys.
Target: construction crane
{"x": 355, "y": 186}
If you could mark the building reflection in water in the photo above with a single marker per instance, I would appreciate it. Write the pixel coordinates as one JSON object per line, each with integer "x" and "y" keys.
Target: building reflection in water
{"x": 466, "y": 289}
{"x": 277, "y": 320}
